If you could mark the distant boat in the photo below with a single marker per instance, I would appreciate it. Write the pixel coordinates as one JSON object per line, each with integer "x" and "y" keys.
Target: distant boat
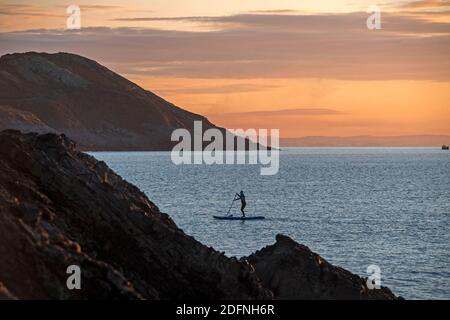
{"x": 445, "y": 147}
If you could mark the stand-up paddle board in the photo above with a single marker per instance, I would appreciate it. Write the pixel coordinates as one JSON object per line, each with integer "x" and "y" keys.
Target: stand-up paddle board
{"x": 239, "y": 218}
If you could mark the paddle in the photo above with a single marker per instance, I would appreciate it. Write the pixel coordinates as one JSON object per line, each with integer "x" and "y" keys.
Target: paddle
{"x": 232, "y": 202}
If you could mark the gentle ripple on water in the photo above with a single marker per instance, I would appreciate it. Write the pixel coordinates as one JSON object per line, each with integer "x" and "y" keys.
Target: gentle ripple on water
{"x": 354, "y": 206}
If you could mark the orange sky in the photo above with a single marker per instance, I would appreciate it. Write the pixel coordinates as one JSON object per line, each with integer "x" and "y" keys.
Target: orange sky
{"x": 305, "y": 67}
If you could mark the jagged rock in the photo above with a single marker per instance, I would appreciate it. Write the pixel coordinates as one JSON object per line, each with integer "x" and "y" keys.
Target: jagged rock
{"x": 293, "y": 271}
{"x": 5, "y": 294}
{"x": 61, "y": 207}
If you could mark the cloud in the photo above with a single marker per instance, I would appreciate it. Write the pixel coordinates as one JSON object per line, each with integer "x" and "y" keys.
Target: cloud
{"x": 285, "y": 112}
{"x": 209, "y": 19}
{"x": 334, "y": 46}
{"x": 354, "y": 23}
{"x": 289, "y": 119}
{"x": 230, "y": 88}
{"x": 99, "y": 7}
{"x": 274, "y": 11}
{"x": 425, "y": 9}
{"x": 421, "y": 4}
{"x": 30, "y": 13}
{"x": 18, "y": 9}
{"x": 190, "y": 19}
{"x": 16, "y": 5}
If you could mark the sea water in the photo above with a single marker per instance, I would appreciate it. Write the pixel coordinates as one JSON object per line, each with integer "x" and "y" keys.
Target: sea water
{"x": 353, "y": 206}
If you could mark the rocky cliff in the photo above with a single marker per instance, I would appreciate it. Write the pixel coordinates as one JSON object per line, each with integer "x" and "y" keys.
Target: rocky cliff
{"x": 61, "y": 207}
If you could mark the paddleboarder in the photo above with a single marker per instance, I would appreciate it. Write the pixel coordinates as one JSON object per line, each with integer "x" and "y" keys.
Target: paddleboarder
{"x": 241, "y": 196}
{"x": 228, "y": 216}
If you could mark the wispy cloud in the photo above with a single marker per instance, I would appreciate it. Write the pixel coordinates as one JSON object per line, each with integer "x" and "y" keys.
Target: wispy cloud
{"x": 190, "y": 19}
{"x": 100, "y": 7}
{"x": 428, "y": 4}
{"x": 333, "y": 46}
{"x": 29, "y": 13}
{"x": 19, "y": 9}
{"x": 352, "y": 23}
{"x": 274, "y": 11}
{"x": 285, "y": 112}
{"x": 230, "y": 88}
{"x": 16, "y": 5}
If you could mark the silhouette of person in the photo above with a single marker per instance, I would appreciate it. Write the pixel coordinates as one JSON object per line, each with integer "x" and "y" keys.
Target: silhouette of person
{"x": 241, "y": 196}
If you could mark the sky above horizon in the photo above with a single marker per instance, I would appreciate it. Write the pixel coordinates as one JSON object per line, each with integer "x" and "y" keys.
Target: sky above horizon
{"x": 305, "y": 67}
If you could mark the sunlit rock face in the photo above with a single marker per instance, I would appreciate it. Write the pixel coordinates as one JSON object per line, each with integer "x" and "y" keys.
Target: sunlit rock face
{"x": 96, "y": 107}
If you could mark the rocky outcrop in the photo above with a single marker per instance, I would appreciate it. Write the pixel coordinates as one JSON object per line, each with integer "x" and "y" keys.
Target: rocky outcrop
{"x": 21, "y": 120}
{"x": 293, "y": 271}
{"x": 60, "y": 207}
{"x": 5, "y": 294}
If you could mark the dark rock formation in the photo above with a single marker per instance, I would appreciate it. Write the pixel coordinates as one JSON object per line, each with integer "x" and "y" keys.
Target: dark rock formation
{"x": 61, "y": 207}
{"x": 293, "y": 271}
{"x": 5, "y": 294}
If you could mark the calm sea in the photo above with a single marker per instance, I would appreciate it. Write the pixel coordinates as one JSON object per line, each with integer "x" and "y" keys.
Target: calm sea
{"x": 354, "y": 206}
